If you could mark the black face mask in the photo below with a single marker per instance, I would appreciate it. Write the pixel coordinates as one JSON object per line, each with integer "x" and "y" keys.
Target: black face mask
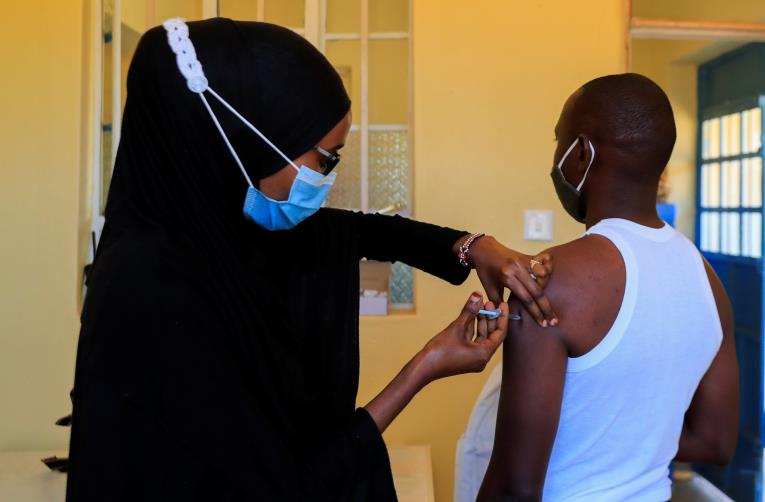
{"x": 570, "y": 196}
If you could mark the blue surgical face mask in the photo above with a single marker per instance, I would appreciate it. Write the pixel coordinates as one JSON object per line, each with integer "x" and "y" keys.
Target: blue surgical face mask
{"x": 309, "y": 189}
{"x": 308, "y": 193}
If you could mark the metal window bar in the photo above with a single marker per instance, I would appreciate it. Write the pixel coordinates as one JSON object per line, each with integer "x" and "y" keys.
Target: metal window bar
{"x": 380, "y": 35}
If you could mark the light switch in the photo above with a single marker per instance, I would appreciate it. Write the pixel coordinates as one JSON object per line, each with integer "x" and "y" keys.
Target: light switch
{"x": 538, "y": 225}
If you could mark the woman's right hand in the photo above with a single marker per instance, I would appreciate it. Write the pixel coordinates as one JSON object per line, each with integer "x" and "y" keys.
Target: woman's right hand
{"x": 455, "y": 350}
{"x": 463, "y": 347}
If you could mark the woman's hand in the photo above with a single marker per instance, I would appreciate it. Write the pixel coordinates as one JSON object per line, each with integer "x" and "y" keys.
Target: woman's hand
{"x": 455, "y": 350}
{"x": 525, "y": 276}
{"x": 459, "y": 348}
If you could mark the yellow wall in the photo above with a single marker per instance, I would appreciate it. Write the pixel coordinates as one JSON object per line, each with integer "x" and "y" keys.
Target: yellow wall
{"x": 290, "y": 13}
{"x": 490, "y": 78}
{"x": 673, "y": 64}
{"x": 714, "y": 10}
{"x": 664, "y": 62}
{"x": 40, "y": 185}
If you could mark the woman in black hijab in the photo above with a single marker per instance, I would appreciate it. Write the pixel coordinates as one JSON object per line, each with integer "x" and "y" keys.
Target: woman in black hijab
{"x": 218, "y": 360}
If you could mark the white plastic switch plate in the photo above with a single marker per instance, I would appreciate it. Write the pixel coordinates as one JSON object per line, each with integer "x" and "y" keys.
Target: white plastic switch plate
{"x": 538, "y": 225}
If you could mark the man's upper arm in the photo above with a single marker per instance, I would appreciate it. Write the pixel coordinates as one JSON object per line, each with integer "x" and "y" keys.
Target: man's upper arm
{"x": 534, "y": 368}
{"x": 711, "y": 422}
{"x": 535, "y": 361}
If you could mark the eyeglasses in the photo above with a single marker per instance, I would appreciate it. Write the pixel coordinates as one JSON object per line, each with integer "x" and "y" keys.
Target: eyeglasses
{"x": 330, "y": 160}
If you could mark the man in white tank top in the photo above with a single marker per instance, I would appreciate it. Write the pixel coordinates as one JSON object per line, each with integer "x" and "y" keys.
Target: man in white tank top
{"x": 642, "y": 367}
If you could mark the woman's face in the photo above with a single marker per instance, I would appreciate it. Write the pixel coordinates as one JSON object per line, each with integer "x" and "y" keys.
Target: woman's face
{"x": 278, "y": 185}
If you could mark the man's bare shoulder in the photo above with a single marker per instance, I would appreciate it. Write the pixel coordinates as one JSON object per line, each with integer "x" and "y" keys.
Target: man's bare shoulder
{"x": 579, "y": 263}
{"x": 586, "y": 290}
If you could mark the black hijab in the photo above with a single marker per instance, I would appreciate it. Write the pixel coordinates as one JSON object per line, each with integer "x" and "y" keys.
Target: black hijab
{"x": 174, "y": 174}
{"x": 231, "y": 349}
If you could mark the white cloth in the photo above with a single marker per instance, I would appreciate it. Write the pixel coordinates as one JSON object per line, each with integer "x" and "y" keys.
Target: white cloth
{"x": 624, "y": 401}
{"x": 475, "y": 445}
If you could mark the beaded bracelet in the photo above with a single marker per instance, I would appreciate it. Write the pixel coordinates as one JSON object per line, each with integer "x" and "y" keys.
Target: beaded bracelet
{"x": 465, "y": 247}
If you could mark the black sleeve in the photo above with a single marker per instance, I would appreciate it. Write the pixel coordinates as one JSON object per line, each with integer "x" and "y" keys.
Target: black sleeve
{"x": 357, "y": 456}
{"x": 213, "y": 412}
{"x": 164, "y": 407}
{"x": 421, "y": 245}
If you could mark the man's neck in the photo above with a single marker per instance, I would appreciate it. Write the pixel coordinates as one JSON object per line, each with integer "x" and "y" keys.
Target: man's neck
{"x": 634, "y": 203}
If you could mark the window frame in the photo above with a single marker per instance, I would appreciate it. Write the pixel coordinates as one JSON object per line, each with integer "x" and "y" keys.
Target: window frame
{"x": 314, "y": 30}
{"x": 210, "y": 8}
{"x": 718, "y": 112}
{"x": 100, "y": 45}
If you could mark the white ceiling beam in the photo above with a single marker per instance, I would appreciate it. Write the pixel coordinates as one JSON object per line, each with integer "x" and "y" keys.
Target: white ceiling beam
{"x": 672, "y": 29}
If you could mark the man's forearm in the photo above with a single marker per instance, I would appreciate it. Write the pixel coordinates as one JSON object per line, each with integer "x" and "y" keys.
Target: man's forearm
{"x": 704, "y": 449}
{"x": 491, "y": 492}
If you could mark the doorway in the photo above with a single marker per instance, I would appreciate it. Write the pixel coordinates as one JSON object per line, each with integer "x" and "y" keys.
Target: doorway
{"x": 710, "y": 58}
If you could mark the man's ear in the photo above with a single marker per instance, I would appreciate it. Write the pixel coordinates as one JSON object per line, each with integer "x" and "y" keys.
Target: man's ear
{"x": 585, "y": 153}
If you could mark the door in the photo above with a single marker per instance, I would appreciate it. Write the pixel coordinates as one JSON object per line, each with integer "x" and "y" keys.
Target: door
{"x": 729, "y": 229}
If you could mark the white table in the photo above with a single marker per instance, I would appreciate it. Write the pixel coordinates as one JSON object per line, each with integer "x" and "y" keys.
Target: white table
{"x": 24, "y": 478}
{"x": 412, "y": 473}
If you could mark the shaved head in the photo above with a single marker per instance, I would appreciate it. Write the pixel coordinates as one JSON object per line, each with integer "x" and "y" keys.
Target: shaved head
{"x": 628, "y": 114}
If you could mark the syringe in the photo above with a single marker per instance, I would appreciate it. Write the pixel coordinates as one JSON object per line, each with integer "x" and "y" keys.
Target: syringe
{"x": 493, "y": 314}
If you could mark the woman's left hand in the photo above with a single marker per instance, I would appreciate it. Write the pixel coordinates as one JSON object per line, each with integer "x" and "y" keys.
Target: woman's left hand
{"x": 499, "y": 267}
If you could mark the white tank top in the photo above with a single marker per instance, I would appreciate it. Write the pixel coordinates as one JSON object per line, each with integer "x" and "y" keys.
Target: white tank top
{"x": 625, "y": 400}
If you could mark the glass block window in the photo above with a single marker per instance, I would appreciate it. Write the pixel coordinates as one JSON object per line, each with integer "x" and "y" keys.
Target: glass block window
{"x": 401, "y": 285}
{"x": 346, "y": 192}
{"x": 368, "y": 42}
{"x": 731, "y": 184}
{"x": 388, "y": 176}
